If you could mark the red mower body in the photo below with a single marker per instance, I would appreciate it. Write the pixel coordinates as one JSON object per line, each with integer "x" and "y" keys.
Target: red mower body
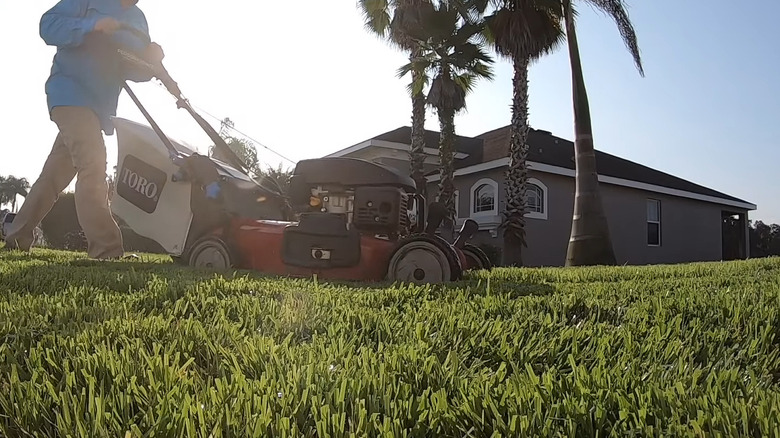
{"x": 259, "y": 244}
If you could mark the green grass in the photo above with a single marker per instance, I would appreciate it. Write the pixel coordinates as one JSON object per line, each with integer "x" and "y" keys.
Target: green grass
{"x": 143, "y": 348}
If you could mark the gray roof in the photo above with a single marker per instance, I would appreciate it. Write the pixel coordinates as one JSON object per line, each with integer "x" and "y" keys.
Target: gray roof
{"x": 555, "y": 151}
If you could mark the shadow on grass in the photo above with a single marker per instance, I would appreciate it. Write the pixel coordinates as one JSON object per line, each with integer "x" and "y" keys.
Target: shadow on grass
{"x": 478, "y": 283}
{"x": 69, "y": 268}
{"x": 58, "y": 272}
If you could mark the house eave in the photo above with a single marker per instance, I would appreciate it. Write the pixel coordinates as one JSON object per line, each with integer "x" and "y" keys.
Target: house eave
{"x": 383, "y": 144}
{"x": 556, "y": 170}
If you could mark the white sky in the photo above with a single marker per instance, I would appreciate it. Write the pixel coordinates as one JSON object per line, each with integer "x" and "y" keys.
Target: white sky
{"x": 306, "y": 79}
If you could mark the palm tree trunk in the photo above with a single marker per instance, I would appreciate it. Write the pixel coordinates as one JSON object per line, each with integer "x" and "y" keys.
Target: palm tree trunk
{"x": 590, "y": 242}
{"x": 517, "y": 173}
{"x": 447, "y": 169}
{"x": 417, "y": 156}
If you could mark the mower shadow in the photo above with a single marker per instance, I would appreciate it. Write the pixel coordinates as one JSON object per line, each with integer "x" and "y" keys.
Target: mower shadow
{"x": 136, "y": 272}
{"x": 125, "y": 276}
{"x": 473, "y": 285}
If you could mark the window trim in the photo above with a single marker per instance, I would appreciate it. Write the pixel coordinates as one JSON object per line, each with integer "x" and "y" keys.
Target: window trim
{"x": 472, "y": 198}
{"x": 543, "y": 188}
{"x": 648, "y": 222}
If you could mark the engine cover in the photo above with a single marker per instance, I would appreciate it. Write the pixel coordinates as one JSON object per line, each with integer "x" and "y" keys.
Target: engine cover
{"x": 381, "y": 209}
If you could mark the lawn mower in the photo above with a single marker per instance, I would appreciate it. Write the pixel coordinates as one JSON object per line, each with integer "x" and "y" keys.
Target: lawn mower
{"x": 340, "y": 219}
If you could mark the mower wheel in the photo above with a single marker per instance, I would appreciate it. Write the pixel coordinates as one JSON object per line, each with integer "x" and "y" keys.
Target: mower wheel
{"x": 477, "y": 259}
{"x": 423, "y": 259}
{"x": 179, "y": 260}
{"x": 210, "y": 253}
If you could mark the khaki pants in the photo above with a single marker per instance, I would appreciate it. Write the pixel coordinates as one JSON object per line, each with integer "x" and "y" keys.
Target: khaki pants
{"x": 78, "y": 151}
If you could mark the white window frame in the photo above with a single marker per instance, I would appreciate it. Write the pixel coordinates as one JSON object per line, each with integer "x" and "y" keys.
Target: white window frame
{"x": 473, "y": 199}
{"x": 543, "y": 188}
{"x": 648, "y": 221}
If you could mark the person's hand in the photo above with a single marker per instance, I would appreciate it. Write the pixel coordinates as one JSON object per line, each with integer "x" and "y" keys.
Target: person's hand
{"x": 154, "y": 53}
{"x": 107, "y": 25}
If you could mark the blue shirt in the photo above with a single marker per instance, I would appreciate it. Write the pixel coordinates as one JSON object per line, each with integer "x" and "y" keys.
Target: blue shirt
{"x": 87, "y": 70}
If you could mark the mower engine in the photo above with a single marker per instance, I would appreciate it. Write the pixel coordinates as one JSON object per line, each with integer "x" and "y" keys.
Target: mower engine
{"x": 371, "y": 198}
{"x": 379, "y": 210}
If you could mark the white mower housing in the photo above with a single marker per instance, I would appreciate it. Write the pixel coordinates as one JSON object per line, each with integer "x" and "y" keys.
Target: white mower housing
{"x": 145, "y": 195}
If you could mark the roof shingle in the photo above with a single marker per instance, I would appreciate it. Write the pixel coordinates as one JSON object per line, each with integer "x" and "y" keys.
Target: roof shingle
{"x": 554, "y": 151}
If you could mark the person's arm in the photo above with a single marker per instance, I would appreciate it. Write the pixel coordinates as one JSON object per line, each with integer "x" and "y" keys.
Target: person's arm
{"x": 66, "y": 24}
{"x": 138, "y": 42}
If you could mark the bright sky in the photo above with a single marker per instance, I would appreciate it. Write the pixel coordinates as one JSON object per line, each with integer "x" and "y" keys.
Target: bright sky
{"x": 310, "y": 80}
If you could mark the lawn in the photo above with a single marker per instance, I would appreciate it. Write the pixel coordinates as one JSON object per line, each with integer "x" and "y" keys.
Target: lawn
{"x": 143, "y": 348}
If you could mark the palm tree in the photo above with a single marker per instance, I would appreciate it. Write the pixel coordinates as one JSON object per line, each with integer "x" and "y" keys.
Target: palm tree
{"x": 11, "y": 187}
{"x": 5, "y": 192}
{"x": 590, "y": 242}
{"x": 453, "y": 53}
{"x": 280, "y": 176}
{"x": 521, "y": 31}
{"x": 401, "y": 23}
{"x": 244, "y": 149}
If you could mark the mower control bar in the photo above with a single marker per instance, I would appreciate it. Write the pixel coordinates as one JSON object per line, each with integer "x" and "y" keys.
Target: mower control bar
{"x": 174, "y": 154}
{"x": 162, "y": 74}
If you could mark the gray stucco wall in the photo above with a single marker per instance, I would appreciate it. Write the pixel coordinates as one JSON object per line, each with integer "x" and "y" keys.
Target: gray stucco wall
{"x": 690, "y": 229}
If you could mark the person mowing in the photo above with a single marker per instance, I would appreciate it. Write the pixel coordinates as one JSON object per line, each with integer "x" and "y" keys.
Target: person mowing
{"x": 82, "y": 95}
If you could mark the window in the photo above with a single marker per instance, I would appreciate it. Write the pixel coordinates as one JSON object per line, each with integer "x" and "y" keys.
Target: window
{"x": 653, "y": 222}
{"x": 484, "y": 198}
{"x": 536, "y": 199}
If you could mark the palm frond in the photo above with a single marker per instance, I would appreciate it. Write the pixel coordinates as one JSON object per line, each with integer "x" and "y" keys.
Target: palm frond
{"x": 526, "y": 29}
{"x": 483, "y": 70}
{"x": 467, "y": 81}
{"x": 417, "y": 87}
{"x": 617, "y": 11}
{"x": 376, "y": 18}
{"x": 447, "y": 95}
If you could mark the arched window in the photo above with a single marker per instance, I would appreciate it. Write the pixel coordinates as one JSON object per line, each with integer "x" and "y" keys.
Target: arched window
{"x": 484, "y": 197}
{"x": 536, "y": 199}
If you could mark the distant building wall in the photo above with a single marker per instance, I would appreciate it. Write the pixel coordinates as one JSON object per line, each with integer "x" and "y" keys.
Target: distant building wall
{"x": 690, "y": 230}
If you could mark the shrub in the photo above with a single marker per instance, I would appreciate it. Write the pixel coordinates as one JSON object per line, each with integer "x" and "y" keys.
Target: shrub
{"x": 61, "y": 222}
{"x": 62, "y": 230}
{"x": 492, "y": 251}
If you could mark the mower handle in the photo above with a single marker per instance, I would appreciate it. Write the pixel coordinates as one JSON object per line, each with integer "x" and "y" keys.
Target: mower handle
{"x": 160, "y": 72}
{"x": 467, "y": 231}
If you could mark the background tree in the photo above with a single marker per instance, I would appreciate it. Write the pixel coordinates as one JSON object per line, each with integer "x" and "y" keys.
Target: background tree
{"x": 764, "y": 239}
{"x": 520, "y": 31}
{"x": 590, "y": 242}
{"x": 280, "y": 176}
{"x": 5, "y": 194}
{"x": 244, "y": 149}
{"x": 10, "y": 188}
{"x": 456, "y": 56}
{"x": 402, "y": 24}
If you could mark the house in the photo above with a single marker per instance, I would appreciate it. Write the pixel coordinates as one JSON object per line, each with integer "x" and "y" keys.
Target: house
{"x": 654, "y": 217}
